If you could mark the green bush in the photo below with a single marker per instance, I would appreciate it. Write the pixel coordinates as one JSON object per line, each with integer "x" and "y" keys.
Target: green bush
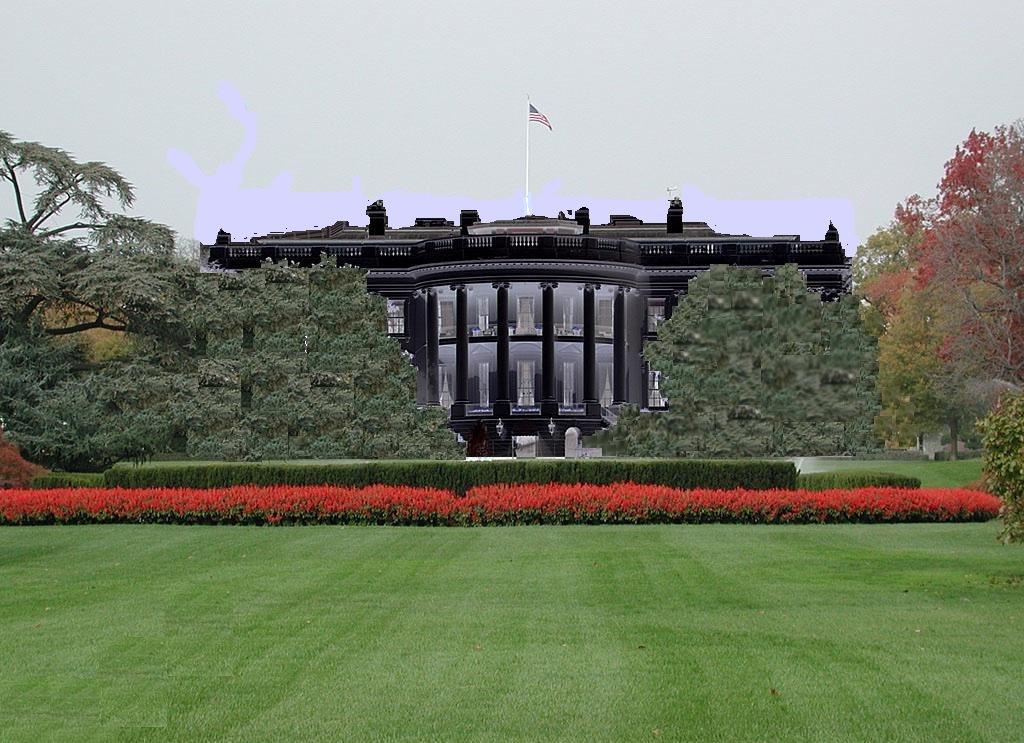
{"x": 1003, "y": 436}
{"x": 895, "y": 455}
{"x": 68, "y": 480}
{"x": 462, "y": 475}
{"x": 943, "y": 456}
{"x": 847, "y": 479}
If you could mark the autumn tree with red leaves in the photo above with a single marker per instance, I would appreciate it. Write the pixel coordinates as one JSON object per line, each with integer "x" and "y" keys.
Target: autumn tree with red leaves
{"x": 15, "y": 469}
{"x": 972, "y": 250}
{"x": 943, "y": 287}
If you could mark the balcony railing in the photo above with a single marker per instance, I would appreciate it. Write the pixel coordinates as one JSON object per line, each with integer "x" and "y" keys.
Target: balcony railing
{"x": 485, "y": 247}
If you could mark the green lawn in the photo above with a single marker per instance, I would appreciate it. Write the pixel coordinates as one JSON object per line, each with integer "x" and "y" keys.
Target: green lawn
{"x": 931, "y": 474}
{"x": 704, "y": 633}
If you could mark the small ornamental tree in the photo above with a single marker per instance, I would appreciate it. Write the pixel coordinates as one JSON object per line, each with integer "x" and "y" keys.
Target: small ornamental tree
{"x": 1003, "y": 437}
{"x": 15, "y": 469}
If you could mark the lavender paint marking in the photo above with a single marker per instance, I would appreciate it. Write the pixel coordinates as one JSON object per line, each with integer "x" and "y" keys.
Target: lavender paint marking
{"x": 224, "y": 203}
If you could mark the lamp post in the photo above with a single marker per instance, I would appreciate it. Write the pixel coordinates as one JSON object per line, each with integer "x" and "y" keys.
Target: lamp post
{"x": 551, "y": 426}
{"x": 500, "y": 429}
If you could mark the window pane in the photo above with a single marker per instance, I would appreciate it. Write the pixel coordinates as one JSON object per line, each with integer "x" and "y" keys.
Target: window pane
{"x": 396, "y": 316}
{"x": 655, "y": 314}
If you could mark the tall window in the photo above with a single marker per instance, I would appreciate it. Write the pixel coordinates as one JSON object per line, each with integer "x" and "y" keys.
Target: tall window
{"x": 655, "y": 314}
{"x": 483, "y": 311}
{"x": 525, "y": 383}
{"x": 524, "y": 317}
{"x": 483, "y": 374}
{"x": 654, "y": 397}
{"x": 568, "y": 383}
{"x": 396, "y": 317}
{"x": 604, "y": 381}
{"x": 605, "y": 313}
{"x": 446, "y": 321}
{"x": 444, "y": 378}
{"x": 568, "y": 315}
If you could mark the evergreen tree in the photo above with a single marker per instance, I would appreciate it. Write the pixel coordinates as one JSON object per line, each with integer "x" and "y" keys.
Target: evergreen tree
{"x": 757, "y": 366}
{"x": 297, "y": 363}
{"x": 91, "y": 308}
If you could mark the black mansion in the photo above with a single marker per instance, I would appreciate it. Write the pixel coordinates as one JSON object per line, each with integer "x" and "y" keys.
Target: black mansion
{"x": 535, "y": 326}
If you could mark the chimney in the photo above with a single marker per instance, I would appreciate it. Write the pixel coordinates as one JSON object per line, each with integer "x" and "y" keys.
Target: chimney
{"x": 223, "y": 238}
{"x": 675, "y": 216}
{"x": 467, "y": 217}
{"x": 583, "y": 218}
{"x": 378, "y": 218}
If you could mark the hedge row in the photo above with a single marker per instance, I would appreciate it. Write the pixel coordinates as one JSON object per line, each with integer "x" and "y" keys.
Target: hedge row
{"x": 854, "y": 479}
{"x": 943, "y": 456}
{"x": 895, "y": 455}
{"x": 67, "y": 480}
{"x": 460, "y": 476}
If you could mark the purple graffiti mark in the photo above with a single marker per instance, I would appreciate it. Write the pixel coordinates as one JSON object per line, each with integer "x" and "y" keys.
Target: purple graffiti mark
{"x": 223, "y": 202}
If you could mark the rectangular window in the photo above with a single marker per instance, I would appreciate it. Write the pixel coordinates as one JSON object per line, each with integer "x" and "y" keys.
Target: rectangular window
{"x": 604, "y": 319}
{"x": 524, "y": 317}
{"x": 654, "y": 397}
{"x": 525, "y": 382}
{"x": 655, "y": 314}
{"x": 446, "y": 320}
{"x": 483, "y": 311}
{"x": 568, "y": 326}
{"x": 604, "y": 382}
{"x": 483, "y": 374}
{"x": 444, "y": 374}
{"x": 396, "y": 317}
{"x": 568, "y": 383}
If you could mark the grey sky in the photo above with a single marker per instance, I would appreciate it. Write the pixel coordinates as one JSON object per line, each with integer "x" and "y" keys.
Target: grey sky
{"x": 855, "y": 100}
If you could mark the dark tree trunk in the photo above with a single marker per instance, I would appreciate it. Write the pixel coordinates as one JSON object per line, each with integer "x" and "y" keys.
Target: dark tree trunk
{"x": 954, "y": 436}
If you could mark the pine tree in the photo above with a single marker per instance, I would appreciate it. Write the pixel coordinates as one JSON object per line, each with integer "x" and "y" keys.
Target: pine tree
{"x": 297, "y": 364}
{"x": 757, "y": 366}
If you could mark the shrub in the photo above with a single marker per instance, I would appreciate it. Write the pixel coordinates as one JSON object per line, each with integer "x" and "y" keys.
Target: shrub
{"x": 854, "y": 479}
{"x": 1003, "y": 438}
{"x": 67, "y": 480}
{"x": 895, "y": 455}
{"x": 14, "y": 468}
{"x": 620, "y": 503}
{"x": 943, "y": 456}
{"x": 460, "y": 476}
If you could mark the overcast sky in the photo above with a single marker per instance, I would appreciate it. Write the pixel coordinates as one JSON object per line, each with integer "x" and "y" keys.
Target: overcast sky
{"x": 857, "y": 101}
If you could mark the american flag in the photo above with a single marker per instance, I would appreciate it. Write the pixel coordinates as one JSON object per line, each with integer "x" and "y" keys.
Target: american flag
{"x": 536, "y": 115}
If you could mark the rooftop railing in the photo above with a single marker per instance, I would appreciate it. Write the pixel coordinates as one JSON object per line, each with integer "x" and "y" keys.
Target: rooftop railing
{"x": 559, "y": 247}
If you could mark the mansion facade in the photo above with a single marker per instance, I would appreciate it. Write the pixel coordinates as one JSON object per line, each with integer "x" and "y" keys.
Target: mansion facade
{"x": 532, "y": 330}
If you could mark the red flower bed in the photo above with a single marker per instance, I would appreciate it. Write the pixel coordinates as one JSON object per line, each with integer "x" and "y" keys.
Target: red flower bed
{"x": 621, "y": 503}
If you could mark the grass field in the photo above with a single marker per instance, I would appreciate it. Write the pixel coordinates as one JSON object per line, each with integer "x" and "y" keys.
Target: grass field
{"x": 931, "y": 474}
{"x": 709, "y": 633}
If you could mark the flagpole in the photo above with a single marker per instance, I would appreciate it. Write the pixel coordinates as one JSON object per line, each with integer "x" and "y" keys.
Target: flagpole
{"x": 526, "y": 200}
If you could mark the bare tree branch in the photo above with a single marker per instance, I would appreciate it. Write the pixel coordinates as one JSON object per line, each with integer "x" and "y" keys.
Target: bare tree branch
{"x": 13, "y": 177}
{"x": 68, "y": 228}
{"x": 97, "y": 323}
{"x": 36, "y": 223}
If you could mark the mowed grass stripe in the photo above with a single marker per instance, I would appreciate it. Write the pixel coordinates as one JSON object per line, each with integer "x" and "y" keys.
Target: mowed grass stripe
{"x": 865, "y": 632}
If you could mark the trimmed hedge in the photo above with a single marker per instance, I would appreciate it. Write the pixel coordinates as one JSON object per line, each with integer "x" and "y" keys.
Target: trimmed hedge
{"x": 943, "y": 456}
{"x": 848, "y": 479}
{"x": 460, "y": 476}
{"x": 895, "y": 455}
{"x": 67, "y": 480}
